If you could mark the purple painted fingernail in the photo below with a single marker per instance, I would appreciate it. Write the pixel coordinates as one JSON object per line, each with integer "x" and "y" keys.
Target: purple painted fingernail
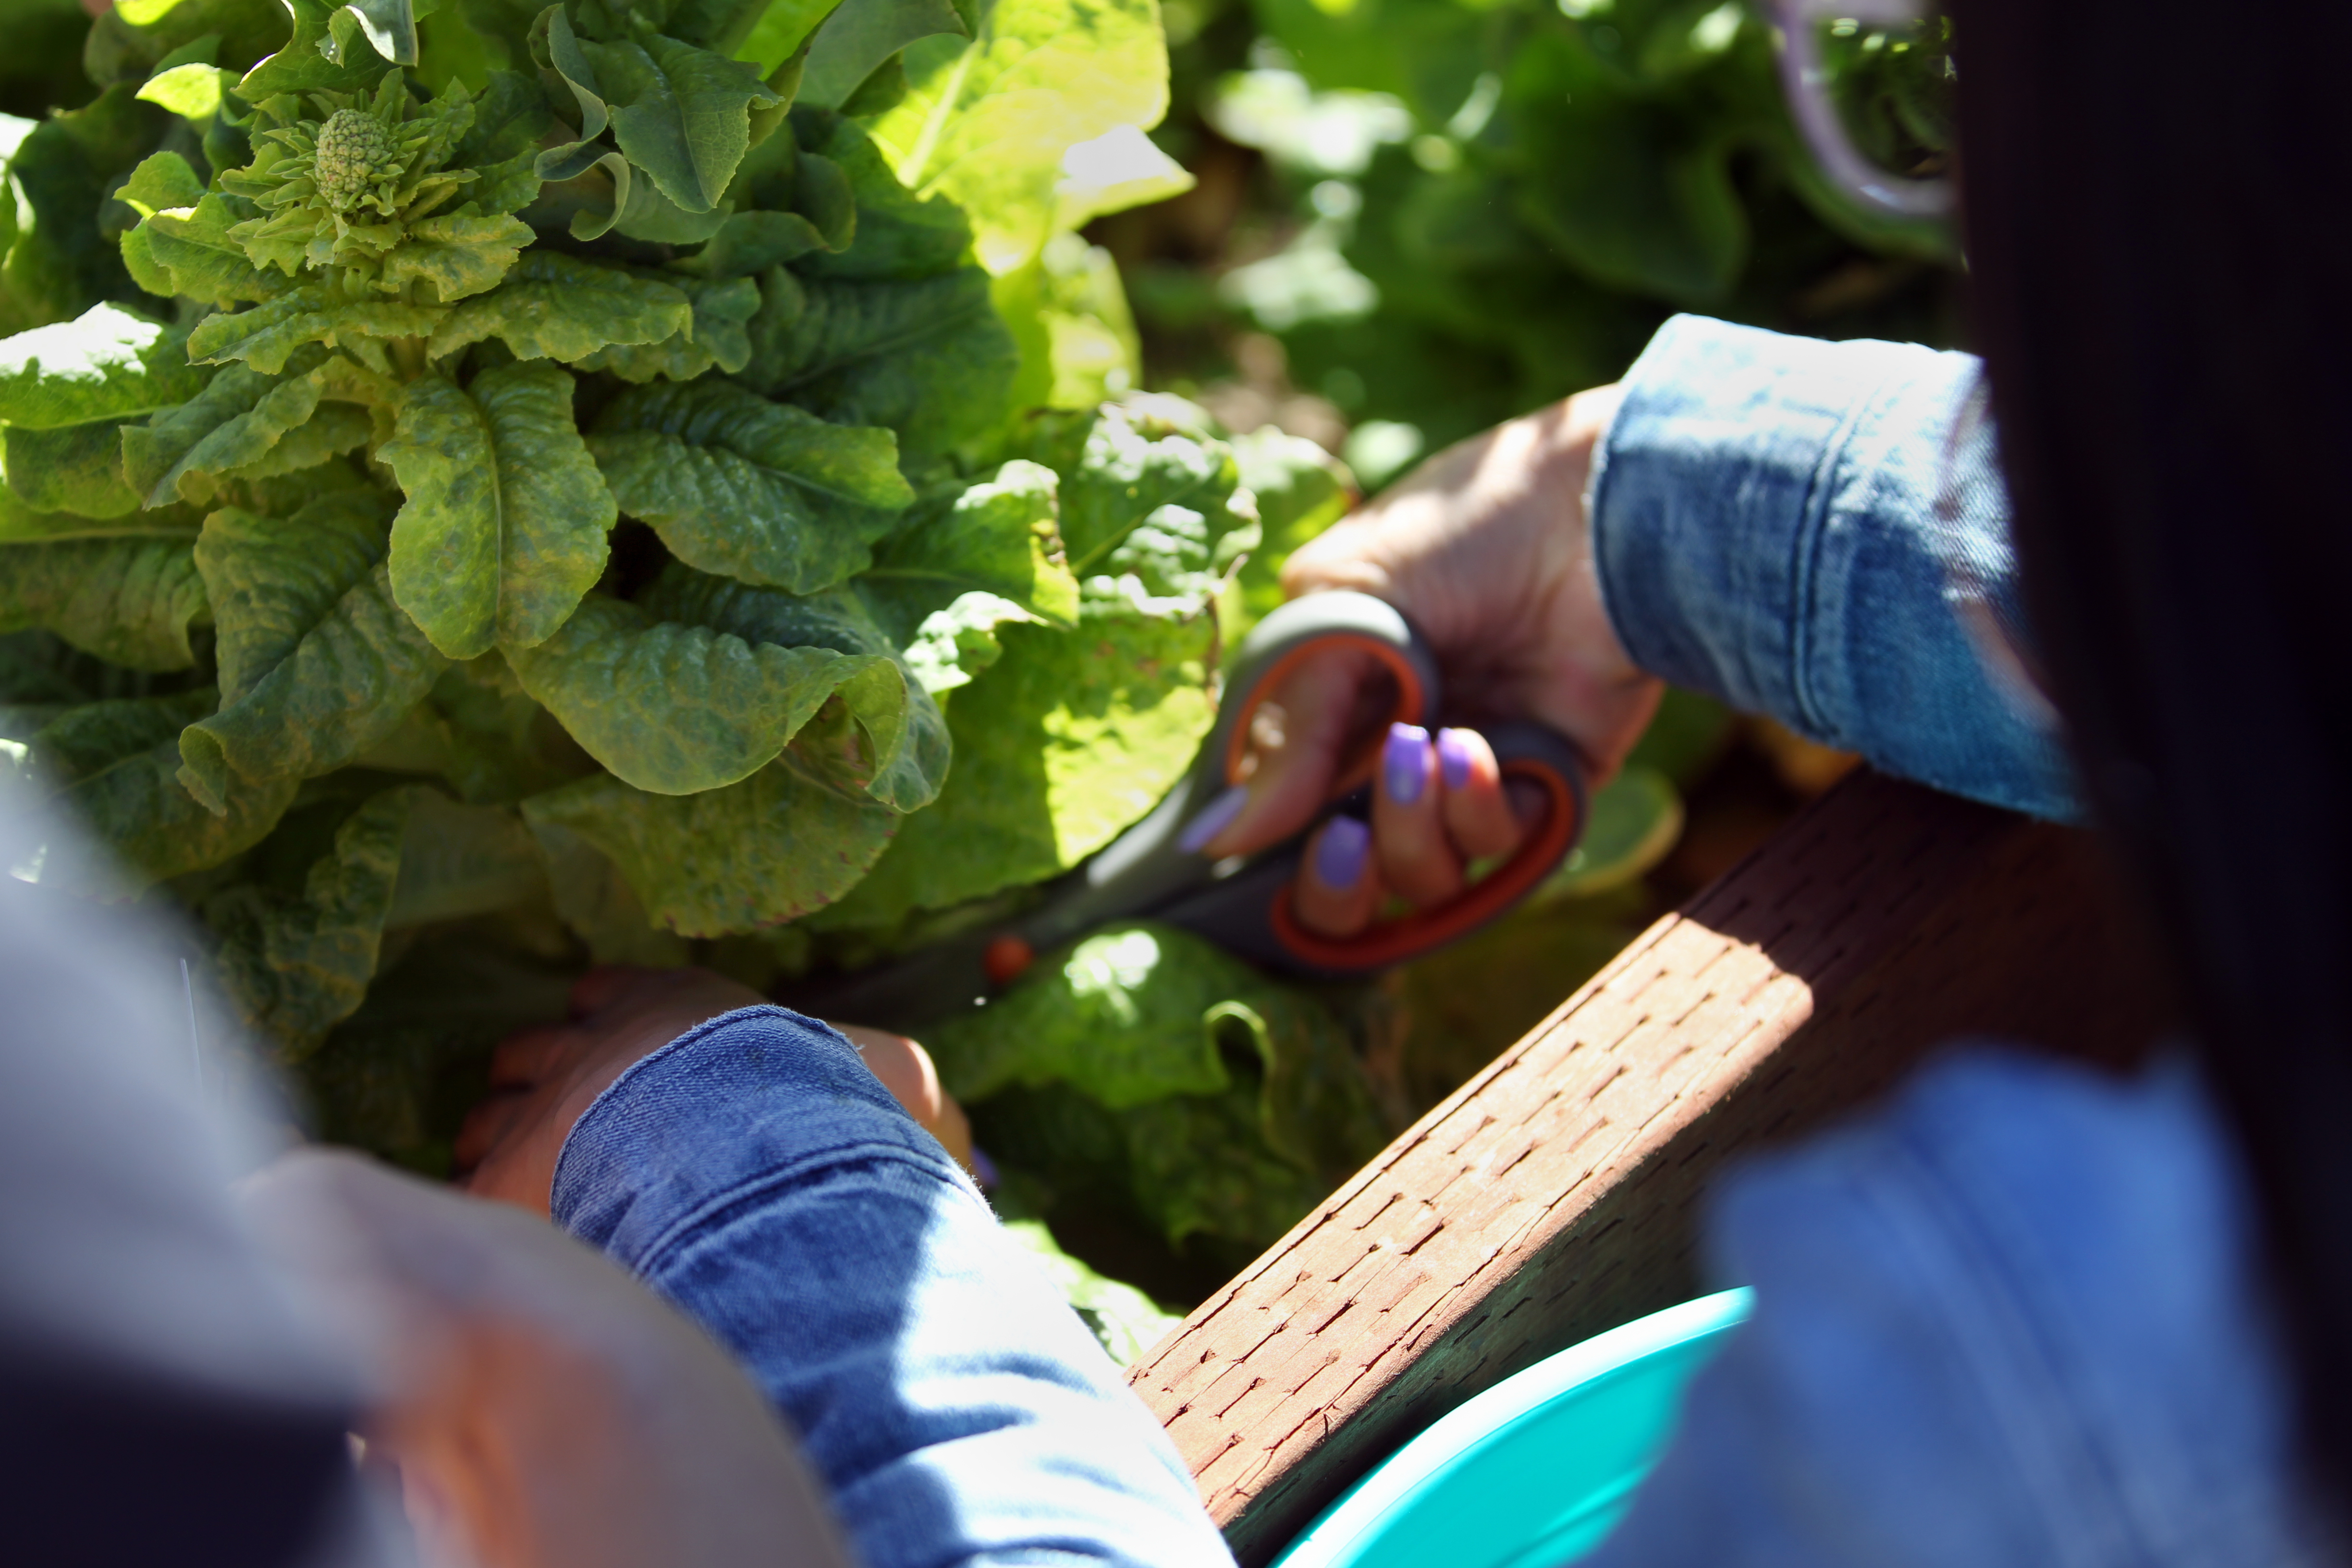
{"x": 1215, "y": 818}
{"x": 1404, "y": 763}
{"x": 1453, "y": 757}
{"x": 1339, "y": 853}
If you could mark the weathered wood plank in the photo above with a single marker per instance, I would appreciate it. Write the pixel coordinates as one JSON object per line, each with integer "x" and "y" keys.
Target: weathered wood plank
{"x": 1552, "y": 1196}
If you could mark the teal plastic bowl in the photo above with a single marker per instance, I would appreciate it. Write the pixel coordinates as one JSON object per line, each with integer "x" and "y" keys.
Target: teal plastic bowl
{"x": 1533, "y": 1472}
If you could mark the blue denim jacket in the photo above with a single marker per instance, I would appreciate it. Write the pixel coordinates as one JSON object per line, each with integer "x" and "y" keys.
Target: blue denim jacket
{"x": 755, "y": 1173}
{"x": 2005, "y": 1322}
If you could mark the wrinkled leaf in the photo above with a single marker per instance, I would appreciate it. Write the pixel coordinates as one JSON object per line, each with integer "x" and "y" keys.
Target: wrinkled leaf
{"x": 113, "y": 766}
{"x": 900, "y": 236}
{"x": 76, "y": 468}
{"x": 130, "y": 601}
{"x": 504, "y": 526}
{"x": 929, "y": 359}
{"x": 554, "y": 306}
{"x": 879, "y": 734}
{"x": 769, "y": 850}
{"x": 1070, "y": 737}
{"x": 1150, "y": 1059}
{"x": 191, "y": 253}
{"x": 235, "y": 426}
{"x": 750, "y": 489}
{"x": 455, "y": 255}
{"x": 681, "y": 113}
{"x": 860, "y": 35}
{"x": 317, "y": 664}
{"x": 988, "y": 122}
{"x": 676, "y": 709}
{"x": 1000, "y": 537}
{"x": 294, "y": 967}
{"x": 717, "y": 339}
{"x": 107, "y": 363}
{"x": 266, "y": 335}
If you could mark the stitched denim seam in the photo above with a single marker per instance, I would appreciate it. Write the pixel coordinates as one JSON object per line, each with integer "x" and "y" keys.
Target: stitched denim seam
{"x": 730, "y": 1203}
{"x": 1822, "y": 491}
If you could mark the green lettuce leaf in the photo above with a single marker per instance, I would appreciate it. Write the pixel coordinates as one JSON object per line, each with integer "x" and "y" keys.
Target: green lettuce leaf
{"x": 738, "y": 485}
{"x": 266, "y": 335}
{"x": 455, "y": 255}
{"x": 554, "y": 306}
{"x": 678, "y": 708}
{"x": 760, "y": 852}
{"x": 1147, "y": 1058}
{"x": 987, "y": 123}
{"x": 596, "y": 902}
{"x": 1000, "y": 537}
{"x": 458, "y": 861}
{"x": 1120, "y": 468}
{"x": 65, "y": 259}
{"x": 317, "y": 664}
{"x": 113, "y": 766}
{"x": 1070, "y": 737}
{"x": 127, "y": 600}
{"x": 880, "y": 734}
{"x": 930, "y": 359}
{"x": 235, "y": 428}
{"x": 681, "y": 113}
{"x": 900, "y": 236}
{"x": 162, "y": 180}
{"x": 76, "y": 468}
{"x": 504, "y": 526}
{"x": 717, "y": 338}
{"x": 105, "y": 363}
{"x": 863, "y": 34}
{"x": 296, "y": 965}
{"x": 187, "y": 251}
{"x": 1301, "y": 490}
{"x": 782, "y": 27}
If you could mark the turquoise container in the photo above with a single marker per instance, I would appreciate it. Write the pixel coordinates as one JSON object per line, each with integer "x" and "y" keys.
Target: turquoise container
{"x": 1533, "y": 1472}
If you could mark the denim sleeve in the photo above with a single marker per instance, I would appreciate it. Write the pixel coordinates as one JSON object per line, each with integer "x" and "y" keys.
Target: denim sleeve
{"x": 1819, "y": 531}
{"x": 756, "y": 1173}
{"x": 2012, "y": 1319}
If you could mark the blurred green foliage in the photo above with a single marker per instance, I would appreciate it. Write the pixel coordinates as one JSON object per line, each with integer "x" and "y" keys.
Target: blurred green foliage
{"x": 1468, "y": 208}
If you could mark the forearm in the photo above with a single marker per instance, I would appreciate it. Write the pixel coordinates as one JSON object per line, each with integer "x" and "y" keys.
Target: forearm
{"x": 1808, "y": 529}
{"x": 757, "y": 1174}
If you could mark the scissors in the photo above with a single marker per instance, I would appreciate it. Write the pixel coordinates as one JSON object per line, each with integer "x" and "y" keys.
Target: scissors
{"x": 1242, "y": 901}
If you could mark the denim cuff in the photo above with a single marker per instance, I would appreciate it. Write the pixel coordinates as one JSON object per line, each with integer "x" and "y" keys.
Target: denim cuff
{"x": 730, "y": 1108}
{"x": 1710, "y": 493}
{"x": 1819, "y": 531}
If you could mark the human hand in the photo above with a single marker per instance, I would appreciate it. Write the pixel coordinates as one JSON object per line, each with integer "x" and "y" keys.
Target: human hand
{"x": 542, "y": 1079}
{"x": 1485, "y": 548}
{"x": 542, "y": 1408}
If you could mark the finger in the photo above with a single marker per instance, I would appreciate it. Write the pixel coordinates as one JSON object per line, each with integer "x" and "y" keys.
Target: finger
{"x": 908, "y": 1071}
{"x": 1297, "y": 738}
{"x": 1477, "y": 812}
{"x": 1338, "y": 888}
{"x": 1416, "y": 859}
{"x": 904, "y": 1067}
{"x": 529, "y": 1055}
{"x": 484, "y": 1127}
{"x": 606, "y": 984}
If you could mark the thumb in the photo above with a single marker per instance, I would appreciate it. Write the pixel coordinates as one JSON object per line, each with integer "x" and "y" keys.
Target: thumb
{"x": 1300, "y": 737}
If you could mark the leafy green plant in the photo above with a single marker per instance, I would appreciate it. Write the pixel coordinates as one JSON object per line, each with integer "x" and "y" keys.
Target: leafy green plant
{"x": 1481, "y": 205}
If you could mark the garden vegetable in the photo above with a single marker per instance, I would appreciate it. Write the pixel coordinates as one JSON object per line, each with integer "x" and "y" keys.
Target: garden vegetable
{"x": 487, "y": 489}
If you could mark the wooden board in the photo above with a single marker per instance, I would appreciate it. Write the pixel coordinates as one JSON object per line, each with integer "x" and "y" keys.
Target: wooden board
{"x": 1553, "y": 1195}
